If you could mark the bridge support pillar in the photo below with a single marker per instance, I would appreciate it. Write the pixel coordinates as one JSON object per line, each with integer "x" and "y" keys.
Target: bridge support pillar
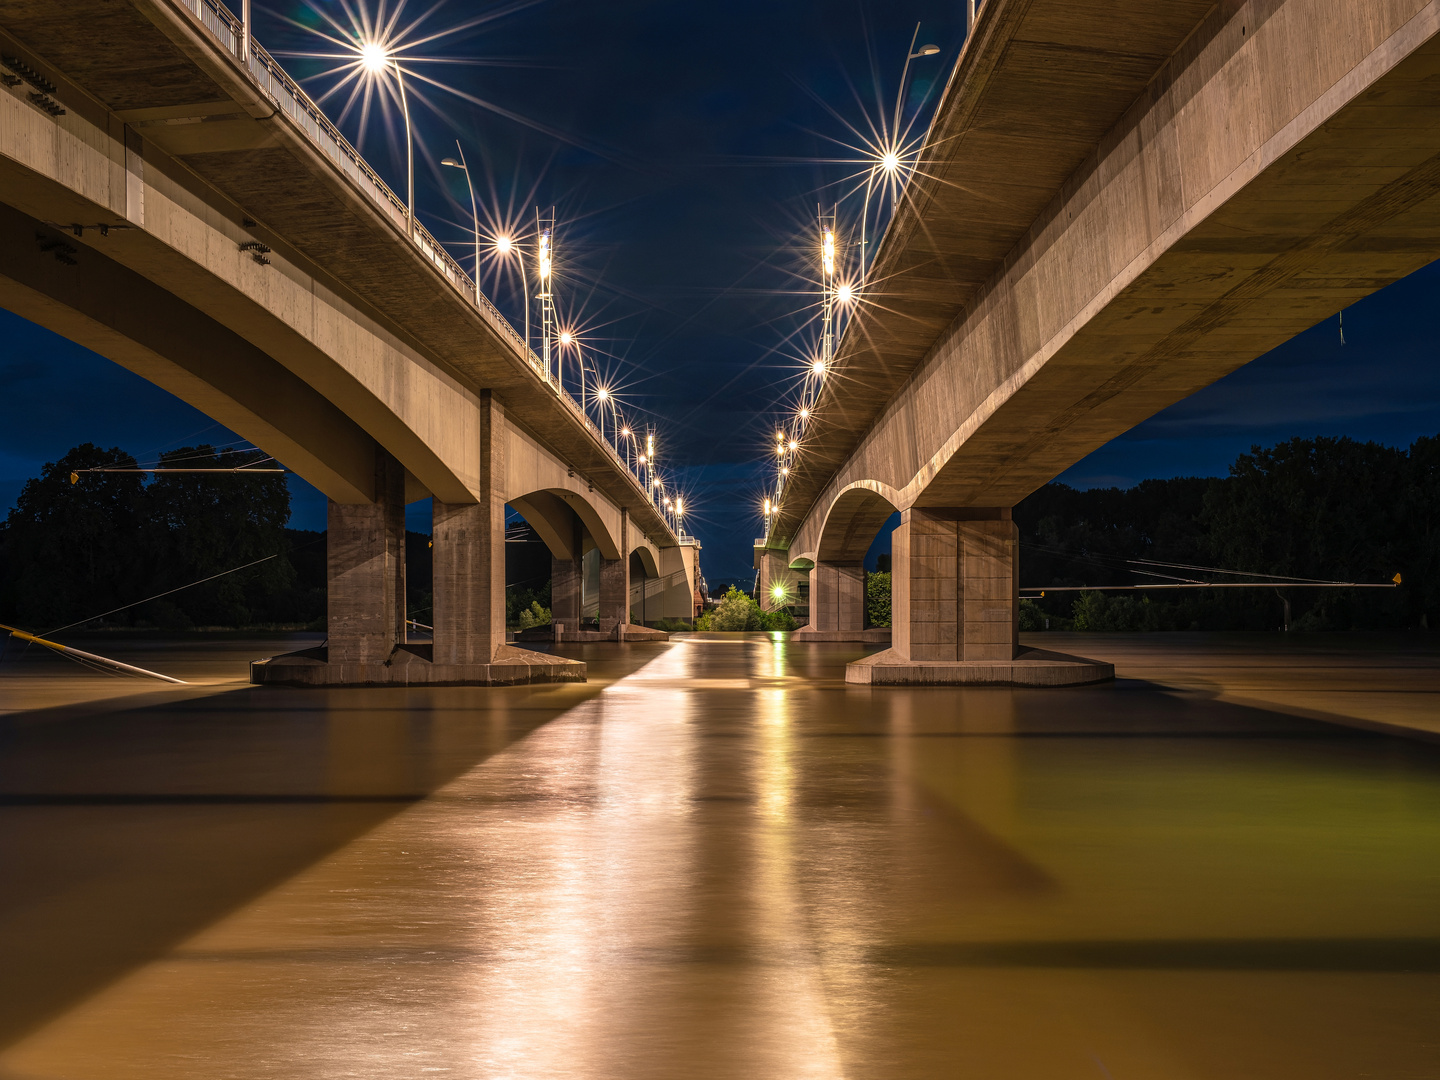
{"x": 567, "y": 577}
{"x": 955, "y": 608}
{"x": 955, "y": 585}
{"x": 837, "y": 598}
{"x": 367, "y": 645}
{"x": 615, "y": 585}
{"x": 365, "y": 571}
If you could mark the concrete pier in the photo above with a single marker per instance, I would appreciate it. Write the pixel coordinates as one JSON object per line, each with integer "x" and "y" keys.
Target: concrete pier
{"x": 367, "y": 576}
{"x": 955, "y": 608}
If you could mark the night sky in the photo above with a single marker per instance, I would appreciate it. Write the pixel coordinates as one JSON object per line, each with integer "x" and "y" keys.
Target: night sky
{"x": 685, "y": 147}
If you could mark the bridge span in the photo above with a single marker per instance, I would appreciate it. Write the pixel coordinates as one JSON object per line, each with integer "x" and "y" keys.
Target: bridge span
{"x": 1117, "y": 205}
{"x": 171, "y": 199}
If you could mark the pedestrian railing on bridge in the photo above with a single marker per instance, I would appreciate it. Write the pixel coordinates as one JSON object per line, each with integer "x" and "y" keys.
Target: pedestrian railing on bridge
{"x": 228, "y": 29}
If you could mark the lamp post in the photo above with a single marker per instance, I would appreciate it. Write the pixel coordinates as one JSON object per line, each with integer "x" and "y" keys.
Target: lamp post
{"x": 602, "y": 396}
{"x": 376, "y": 58}
{"x": 505, "y": 245}
{"x": 474, "y": 213}
{"x": 650, "y": 480}
{"x": 889, "y": 158}
{"x": 544, "y": 259}
{"x": 911, "y": 54}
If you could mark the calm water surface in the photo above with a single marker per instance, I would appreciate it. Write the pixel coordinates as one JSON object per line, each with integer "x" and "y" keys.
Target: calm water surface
{"x": 713, "y": 860}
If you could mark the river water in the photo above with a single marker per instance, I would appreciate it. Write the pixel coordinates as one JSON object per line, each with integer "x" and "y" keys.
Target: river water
{"x": 715, "y": 859}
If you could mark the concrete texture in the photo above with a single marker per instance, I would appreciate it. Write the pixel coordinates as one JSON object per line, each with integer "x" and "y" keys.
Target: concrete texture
{"x": 614, "y": 609}
{"x": 875, "y": 635}
{"x": 954, "y": 589}
{"x": 468, "y": 558}
{"x": 837, "y": 597}
{"x": 1113, "y": 212}
{"x": 411, "y": 665}
{"x": 1029, "y": 667}
{"x": 350, "y": 338}
{"x": 179, "y": 151}
{"x": 365, "y": 571}
{"x": 1116, "y": 211}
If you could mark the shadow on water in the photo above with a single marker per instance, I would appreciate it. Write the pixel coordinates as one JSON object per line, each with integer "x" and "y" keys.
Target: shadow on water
{"x": 127, "y": 825}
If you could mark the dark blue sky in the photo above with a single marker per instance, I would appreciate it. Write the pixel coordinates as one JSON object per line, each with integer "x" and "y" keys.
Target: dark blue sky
{"x": 685, "y": 147}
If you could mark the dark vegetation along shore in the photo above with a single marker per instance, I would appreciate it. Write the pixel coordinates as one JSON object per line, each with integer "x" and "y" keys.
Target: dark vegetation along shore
{"x": 1330, "y": 509}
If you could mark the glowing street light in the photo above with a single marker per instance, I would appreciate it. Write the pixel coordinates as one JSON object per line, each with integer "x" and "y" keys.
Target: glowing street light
{"x": 626, "y": 435}
{"x": 544, "y": 261}
{"x": 376, "y": 58}
{"x": 827, "y": 252}
{"x": 567, "y": 338}
{"x": 845, "y": 293}
{"x": 506, "y": 246}
{"x": 817, "y": 368}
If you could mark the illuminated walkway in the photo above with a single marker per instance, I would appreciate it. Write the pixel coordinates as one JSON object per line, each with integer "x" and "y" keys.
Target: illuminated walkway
{"x": 720, "y": 863}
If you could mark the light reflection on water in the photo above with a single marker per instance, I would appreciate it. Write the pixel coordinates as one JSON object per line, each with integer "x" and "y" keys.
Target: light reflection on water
{"x": 728, "y": 863}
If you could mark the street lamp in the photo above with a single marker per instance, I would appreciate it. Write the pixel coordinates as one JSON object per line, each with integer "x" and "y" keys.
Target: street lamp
{"x": 912, "y": 54}
{"x": 376, "y": 58}
{"x": 602, "y": 398}
{"x": 544, "y": 256}
{"x": 474, "y": 214}
{"x": 506, "y": 245}
{"x": 889, "y": 160}
{"x": 650, "y": 464}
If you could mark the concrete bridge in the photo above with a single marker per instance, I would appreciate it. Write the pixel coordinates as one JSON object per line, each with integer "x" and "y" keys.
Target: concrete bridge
{"x": 170, "y": 199}
{"x": 1119, "y": 204}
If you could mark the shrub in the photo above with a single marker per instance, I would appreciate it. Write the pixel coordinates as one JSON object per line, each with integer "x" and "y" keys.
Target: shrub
{"x": 877, "y": 598}
{"x": 736, "y": 611}
{"x": 534, "y": 615}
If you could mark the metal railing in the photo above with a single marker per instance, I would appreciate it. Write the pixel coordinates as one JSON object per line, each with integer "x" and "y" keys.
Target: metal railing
{"x": 229, "y": 31}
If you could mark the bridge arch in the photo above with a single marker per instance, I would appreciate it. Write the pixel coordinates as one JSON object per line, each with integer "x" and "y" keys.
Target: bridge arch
{"x": 552, "y": 512}
{"x": 853, "y": 520}
{"x": 643, "y": 557}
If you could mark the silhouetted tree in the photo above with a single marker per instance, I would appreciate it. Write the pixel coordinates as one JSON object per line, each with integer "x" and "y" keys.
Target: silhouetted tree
{"x": 68, "y": 550}
{"x": 73, "y": 549}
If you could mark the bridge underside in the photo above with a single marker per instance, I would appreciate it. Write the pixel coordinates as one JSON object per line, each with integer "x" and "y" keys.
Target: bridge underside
{"x": 173, "y": 213}
{"x": 1283, "y": 163}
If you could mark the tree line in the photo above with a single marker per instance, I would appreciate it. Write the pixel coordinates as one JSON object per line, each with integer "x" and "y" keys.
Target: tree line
{"x": 1326, "y": 508}
{"x": 79, "y": 543}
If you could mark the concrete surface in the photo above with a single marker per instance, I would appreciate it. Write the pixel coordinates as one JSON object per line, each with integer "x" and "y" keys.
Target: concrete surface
{"x": 1029, "y": 667}
{"x": 1121, "y": 207}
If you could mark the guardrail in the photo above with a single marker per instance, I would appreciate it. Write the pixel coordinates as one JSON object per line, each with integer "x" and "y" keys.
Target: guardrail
{"x": 229, "y": 31}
